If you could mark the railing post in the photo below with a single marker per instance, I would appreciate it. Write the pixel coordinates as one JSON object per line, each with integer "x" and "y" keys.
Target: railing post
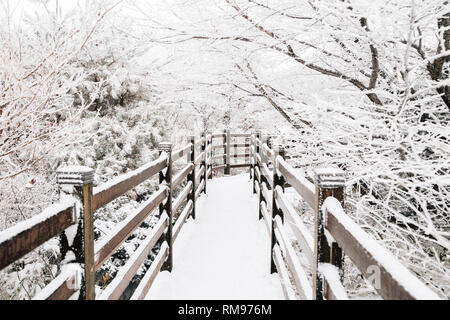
{"x": 263, "y": 178}
{"x": 211, "y": 156}
{"x": 265, "y": 140}
{"x": 252, "y": 161}
{"x": 210, "y": 153}
{"x": 228, "y": 149}
{"x": 191, "y": 176}
{"x": 166, "y": 179}
{"x": 204, "y": 145}
{"x": 78, "y": 182}
{"x": 278, "y": 181}
{"x": 329, "y": 183}
{"x": 255, "y": 152}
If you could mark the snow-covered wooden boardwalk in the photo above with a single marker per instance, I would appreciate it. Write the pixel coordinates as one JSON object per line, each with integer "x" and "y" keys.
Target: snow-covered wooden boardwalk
{"x": 225, "y": 253}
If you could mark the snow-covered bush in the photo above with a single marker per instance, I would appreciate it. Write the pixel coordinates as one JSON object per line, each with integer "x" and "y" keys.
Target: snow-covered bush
{"x": 77, "y": 92}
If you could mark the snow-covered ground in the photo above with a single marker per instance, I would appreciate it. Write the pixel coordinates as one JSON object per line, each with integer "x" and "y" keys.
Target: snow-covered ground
{"x": 224, "y": 253}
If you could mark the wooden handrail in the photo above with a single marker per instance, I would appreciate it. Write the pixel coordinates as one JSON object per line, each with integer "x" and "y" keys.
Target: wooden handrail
{"x": 182, "y": 219}
{"x": 340, "y": 234}
{"x": 61, "y": 288}
{"x": 182, "y": 197}
{"x": 395, "y": 280}
{"x": 304, "y": 188}
{"x": 124, "y": 229}
{"x": 336, "y": 290}
{"x": 300, "y": 278}
{"x": 199, "y": 189}
{"x": 241, "y": 135}
{"x": 26, "y": 236}
{"x": 149, "y": 277}
{"x": 199, "y": 158}
{"x": 116, "y": 288}
{"x": 181, "y": 175}
{"x": 303, "y": 236}
{"x": 120, "y": 185}
{"x": 180, "y": 153}
{"x": 284, "y": 274}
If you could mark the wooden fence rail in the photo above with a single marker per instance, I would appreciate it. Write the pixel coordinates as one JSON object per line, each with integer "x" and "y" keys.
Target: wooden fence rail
{"x": 334, "y": 233}
{"x": 75, "y": 214}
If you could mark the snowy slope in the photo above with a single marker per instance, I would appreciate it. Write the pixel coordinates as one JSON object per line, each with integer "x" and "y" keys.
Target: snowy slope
{"x": 225, "y": 253}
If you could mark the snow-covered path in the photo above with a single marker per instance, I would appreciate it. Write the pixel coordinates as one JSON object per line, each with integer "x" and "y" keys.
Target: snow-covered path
{"x": 225, "y": 253}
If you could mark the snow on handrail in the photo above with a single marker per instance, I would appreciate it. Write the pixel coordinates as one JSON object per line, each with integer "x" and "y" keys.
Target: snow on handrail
{"x": 115, "y": 289}
{"x": 304, "y": 188}
{"x": 393, "y": 280}
{"x": 179, "y": 153}
{"x": 25, "y": 236}
{"x": 335, "y": 289}
{"x": 106, "y": 247}
{"x": 114, "y": 188}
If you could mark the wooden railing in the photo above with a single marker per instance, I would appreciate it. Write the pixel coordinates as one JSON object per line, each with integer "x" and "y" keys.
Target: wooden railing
{"x": 334, "y": 233}
{"x": 232, "y": 148}
{"x": 74, "y": 215}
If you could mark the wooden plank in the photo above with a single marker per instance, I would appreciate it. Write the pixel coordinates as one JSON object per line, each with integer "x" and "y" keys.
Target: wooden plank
{"x": 200, "y": 157}
{"x": 181, "y": 175}
{"x": 199, "y": 174}
{"x": 241, "y": 135}
{"x": 303, "y": 236}
{"x": 219, "y": 167}
{"x": 239, "y": 156}
{"x": 61, "y": 288}
{"x": 266, "y": 216}
{"x": 199, "y": 142}
{"x": 26, "y": 236}
{"x": 395, "y": 281}
{"x": 182, "y": 219}
{"x": 199, "y": 190}
{"x": 300, "y": 278}
{"x": 241, "y": 145}
{"x": 124, "y": 229}
{"x": 258, "y": 174}
{"x": 267, "y": 174}
{"x": 150, "y": 276}
{"x": 239, "y": 165}
{"x": 182, "y": 197}
{"x": 219, "y": 135}
{"x": 257, "y": 187}
{"x": 220, "y": 157}
{"x": 116, "y": 288}
{"x": 180, "y": 153}
{"x": 289, "y": 294}
{"x": 258, "y": 159}
{"x": 120, "y": 185}
{"x": 267, "y": 151}
{"x": 267, "y": 194}
{"x": 304, "y": 188}
{"x": 334, "y": 288}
